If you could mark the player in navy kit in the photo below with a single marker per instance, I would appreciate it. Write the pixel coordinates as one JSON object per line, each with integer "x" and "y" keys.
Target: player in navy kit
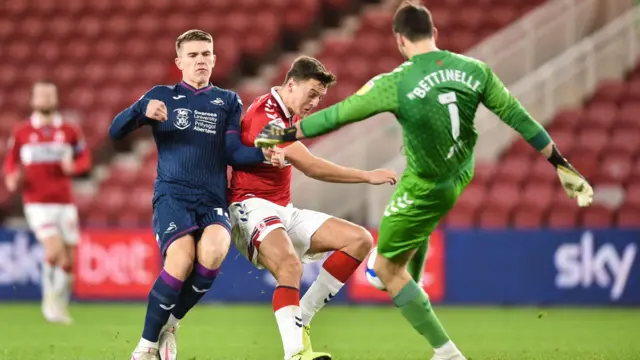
{"x": 196, "y": 130}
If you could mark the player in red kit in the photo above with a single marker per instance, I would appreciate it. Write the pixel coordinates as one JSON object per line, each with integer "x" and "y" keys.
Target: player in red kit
{"x": 272, "y": 233}
{"x": 44, "y": 153}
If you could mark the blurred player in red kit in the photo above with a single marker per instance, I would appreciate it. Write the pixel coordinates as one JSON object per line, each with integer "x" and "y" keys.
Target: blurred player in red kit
{"x": 272, "y": 233}
{"x": 44, "y": 153}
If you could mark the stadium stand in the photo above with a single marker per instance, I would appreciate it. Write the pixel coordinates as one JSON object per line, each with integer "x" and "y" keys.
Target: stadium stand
{"x": 108, "y": 82}
{"x": 362, "y": 48}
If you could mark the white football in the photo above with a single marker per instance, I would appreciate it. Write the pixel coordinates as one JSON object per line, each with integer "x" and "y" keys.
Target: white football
{"x": 371, "y": 275}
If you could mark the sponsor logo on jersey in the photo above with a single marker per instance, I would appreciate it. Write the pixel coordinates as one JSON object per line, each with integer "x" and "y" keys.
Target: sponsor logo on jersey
{"x": 206, "y": 122}
{"x": 178, "y": 97}
{"x": 182, "y": 118}
{"x": 217, "y": 101}
{"x": 365, "y": 88}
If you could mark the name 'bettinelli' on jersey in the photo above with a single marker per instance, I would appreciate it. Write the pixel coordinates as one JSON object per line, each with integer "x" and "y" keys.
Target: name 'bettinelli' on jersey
{"x": 263, "y": 180}
{"x": 40, "y": 149}
{"x": 190, "y": 141}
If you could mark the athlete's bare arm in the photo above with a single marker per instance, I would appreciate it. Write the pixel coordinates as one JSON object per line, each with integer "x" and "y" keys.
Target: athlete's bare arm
{"x": 320, "y": 169}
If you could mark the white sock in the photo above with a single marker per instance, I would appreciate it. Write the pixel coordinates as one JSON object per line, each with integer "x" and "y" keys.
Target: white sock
{"x": 321, "y": 291}
{"x": 144, "y": 343}
{"x": 289, "y": 320}
{"x": 47, "y": 279}
{"x": 62, "y": 285}
{"x": 449, "y": 348}
{"x": 173, "y": 321}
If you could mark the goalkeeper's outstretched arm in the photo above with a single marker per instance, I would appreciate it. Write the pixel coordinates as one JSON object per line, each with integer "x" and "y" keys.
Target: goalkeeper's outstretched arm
{"x": 376, "y": 96}
{"x": 498, "y": 99}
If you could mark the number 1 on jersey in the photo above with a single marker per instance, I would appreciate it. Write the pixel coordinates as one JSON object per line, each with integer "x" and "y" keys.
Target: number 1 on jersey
{"x": 450, "y": 99}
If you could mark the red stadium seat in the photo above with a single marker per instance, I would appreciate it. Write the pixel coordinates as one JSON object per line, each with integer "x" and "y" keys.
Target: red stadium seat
{"x": 565, "y": 139}
{"x": 376, "y": 21}
{"x": 522, "y": 148}
{"x": 472, "y": 198}
{"x": 338, "y": 5}
{"x": 334, "y": 46}
{"x": 624, "y": 141}
{"x": 563, "y": 217}
{"x": 566, "y": 120}
{"x": 461, "y": 41}
{"x": 610, "y": 92}
{"x": 514, "y": 169}
{"x": 628, "y": 115}
{"x": 460, "y": 218}
{"x": 600, "y": 116}
{"x": 536, "y": 195}
{"x": 542, "y": 172}
{"x": 590, "y": 142}
{"x": 597, "y": 216}
{"x": 484, "y": 173}
{"x": 586, "y": 163}
{"x": 632, "y": 196}
{"x": 615, "y": 169}
{"x": 111, "y": 199}
{"x": 634, "y": 177}
{"x": 632, "y": 91}
{"x": 97, "y": 217}
{"x": 628, "y": 217}
{"x": 498, "y": 16}
{"x": 471, "y": 18}
{"x": 503, "y": 194}
{"x": 493, "y": 217}
{"x": 528, "y": 218}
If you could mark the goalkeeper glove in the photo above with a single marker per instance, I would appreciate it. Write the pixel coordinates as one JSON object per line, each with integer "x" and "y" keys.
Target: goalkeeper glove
{"x": 574, "y": 184}
{"x": 272, "y": 135}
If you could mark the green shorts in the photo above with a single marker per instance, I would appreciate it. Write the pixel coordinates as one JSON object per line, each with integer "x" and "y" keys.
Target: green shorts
{"x": 415, "y": 209}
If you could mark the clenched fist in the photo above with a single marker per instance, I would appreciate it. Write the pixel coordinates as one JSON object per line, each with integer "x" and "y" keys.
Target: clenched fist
{"x": 382, "y": 176}
{"x": 156, "y": 110}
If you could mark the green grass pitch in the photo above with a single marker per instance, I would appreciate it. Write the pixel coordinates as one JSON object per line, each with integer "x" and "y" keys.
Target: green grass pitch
{"x": 226, "y": 332}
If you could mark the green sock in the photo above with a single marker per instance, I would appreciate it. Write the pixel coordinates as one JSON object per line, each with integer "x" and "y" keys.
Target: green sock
{"x": 416, "y": 308}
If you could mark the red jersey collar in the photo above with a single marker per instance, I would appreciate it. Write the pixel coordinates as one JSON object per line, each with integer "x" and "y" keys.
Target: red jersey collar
{"x": 274, "y": 93}
{"x": 36, "y": 121}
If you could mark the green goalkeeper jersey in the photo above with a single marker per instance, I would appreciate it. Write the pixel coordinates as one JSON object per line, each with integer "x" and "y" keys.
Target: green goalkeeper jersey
{"x": 434, "y": 97}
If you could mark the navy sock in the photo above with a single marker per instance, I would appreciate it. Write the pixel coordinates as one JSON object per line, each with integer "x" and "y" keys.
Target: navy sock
{"x": 163, "y": 297}
{"x": 196, "y": 286}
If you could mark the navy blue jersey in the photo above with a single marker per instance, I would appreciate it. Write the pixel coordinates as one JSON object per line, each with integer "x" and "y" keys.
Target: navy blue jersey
{"x": 196, "y": 143}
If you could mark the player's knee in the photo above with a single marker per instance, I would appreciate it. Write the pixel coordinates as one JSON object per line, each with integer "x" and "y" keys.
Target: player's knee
{"x": 180, "y": 256}
{"x": 213, "y": 247}
{"x": 362, "y": 241}
{"x": 212, "y": 256}
{"x": 288, "y": 269}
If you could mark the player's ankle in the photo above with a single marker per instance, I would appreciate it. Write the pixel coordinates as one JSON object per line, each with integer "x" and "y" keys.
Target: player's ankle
{"x": 144, "y": 343}
{"x": 448, "y": 348}
{"x": 173, "y": 321}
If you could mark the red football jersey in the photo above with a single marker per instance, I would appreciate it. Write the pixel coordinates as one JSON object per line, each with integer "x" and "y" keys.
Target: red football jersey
{"x": 263, "y": 180}
{"x": 40, "y": 149}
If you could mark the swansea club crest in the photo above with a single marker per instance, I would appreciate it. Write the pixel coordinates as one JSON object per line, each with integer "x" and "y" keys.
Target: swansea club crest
{"x": 182, "y": 118}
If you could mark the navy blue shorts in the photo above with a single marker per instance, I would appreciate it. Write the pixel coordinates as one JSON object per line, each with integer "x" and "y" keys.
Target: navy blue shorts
{"x": 177, "y": 216}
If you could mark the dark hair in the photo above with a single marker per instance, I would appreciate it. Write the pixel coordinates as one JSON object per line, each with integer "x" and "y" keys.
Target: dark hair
{"x": 413, "y": 21}
{"x": 306, "y": 67}
{"x": 192, "y": 35}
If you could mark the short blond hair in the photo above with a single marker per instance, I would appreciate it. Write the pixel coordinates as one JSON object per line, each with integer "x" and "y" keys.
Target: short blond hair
{"x": 192, "y": 35}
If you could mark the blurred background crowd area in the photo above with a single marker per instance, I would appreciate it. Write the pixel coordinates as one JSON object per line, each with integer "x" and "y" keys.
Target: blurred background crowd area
{"x": 572, "y": 63}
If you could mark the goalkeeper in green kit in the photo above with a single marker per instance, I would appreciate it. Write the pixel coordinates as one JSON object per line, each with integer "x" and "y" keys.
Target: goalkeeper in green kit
{"x": 434, "y": 96}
